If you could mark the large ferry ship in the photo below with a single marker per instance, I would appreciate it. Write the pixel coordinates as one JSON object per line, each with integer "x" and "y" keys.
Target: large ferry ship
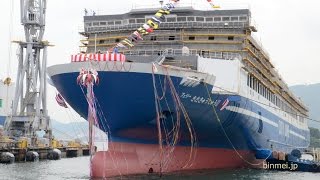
{"x": 200, "y": 77}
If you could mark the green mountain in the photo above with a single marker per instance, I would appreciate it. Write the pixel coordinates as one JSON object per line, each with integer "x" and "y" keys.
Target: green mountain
{"x": 310, "y": 95}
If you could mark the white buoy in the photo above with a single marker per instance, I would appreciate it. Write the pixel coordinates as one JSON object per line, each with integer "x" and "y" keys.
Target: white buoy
{"x": 7, "y": 158}
{"x": 32, "y": 156}
{"x": 54, "y": 154}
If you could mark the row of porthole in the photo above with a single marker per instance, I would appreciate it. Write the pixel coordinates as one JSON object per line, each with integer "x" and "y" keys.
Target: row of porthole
{"x": 171, "y": 19}
{"x": 172, "y": 38}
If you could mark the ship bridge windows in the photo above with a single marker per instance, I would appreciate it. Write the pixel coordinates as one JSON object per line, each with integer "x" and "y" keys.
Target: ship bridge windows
{"x": 199, "y": 19}
{"x": 209, "y": 19}
{"x": 234, "y": 18}
{"x": 217, "y": 18}
{"x": 88, "y": 24}
{"x": 171, "y": 19}
{"x": 225, "y": 18}
{"x": 190, "y": 18}
{"x": 243, "y": 18}
{"x": 181, "y": 19}
{"x": 103, "y": 23}
{"x": 111, "y": 23}
{"x": 132, "y": 21}
{"x": 118, "y": 22}
{"x": 95, "y": 23}
{"x": 140, "y": 20}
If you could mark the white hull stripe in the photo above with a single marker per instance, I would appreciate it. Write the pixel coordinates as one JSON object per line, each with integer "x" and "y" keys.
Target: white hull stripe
{"x": 251, "y": 114}
{"x": 298, "y": 135}
{"x": 133, "y": 67}
{"x": 257, "y": 116}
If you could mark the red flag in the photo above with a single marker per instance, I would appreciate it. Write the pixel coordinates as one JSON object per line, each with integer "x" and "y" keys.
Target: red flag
{"x": 61, "y": 101}
{"x": 224, "y": 104}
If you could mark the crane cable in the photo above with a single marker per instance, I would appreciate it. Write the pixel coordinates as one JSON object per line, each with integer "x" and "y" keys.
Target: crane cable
{"x": 7, "y": 80}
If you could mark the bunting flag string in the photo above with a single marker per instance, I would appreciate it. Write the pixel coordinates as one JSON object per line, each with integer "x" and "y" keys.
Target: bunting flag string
{"x": 151, "y": 25}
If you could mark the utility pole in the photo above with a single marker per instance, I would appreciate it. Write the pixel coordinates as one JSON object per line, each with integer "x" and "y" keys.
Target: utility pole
{"x": 29, "y": 109}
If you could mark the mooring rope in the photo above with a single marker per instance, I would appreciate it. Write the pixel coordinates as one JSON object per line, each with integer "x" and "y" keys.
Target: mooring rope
{"x": 226, "y": 135}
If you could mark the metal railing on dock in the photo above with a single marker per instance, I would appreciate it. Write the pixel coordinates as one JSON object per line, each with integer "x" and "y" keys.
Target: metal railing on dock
{"x": 20, "y": 148}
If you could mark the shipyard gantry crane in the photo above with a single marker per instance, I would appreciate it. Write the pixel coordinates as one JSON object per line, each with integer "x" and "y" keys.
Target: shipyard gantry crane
{"x": 29, "y": 109}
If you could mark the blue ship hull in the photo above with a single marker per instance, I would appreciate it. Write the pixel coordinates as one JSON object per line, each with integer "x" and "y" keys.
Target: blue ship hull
{"x": 127, "y": 101}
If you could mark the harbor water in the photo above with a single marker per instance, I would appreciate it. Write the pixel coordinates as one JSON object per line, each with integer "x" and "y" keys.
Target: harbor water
{"x": 78, "y": 169}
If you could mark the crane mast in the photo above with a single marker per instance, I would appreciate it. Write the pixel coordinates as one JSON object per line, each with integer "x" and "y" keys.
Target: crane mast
{"x": 29, "y": 108}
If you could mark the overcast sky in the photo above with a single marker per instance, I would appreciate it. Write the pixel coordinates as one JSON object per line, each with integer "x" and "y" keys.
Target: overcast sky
{"x": 288, "y": 29}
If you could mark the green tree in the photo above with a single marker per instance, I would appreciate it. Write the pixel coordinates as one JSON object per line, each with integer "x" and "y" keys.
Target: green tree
{"x": 314, "y": 137}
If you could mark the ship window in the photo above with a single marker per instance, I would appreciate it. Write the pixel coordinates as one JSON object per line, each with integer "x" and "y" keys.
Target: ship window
{"x": 199, "y": 18}
{"x": 217, "y": 19}
{"x": 31, "y": 17}
{"x": 141, "y": 20}
{"x": 0, "y": 103}
{"x": 190, "y": 18}
{"x": 171, "y": 38}
{"x": 225, "y": 18}
{"x": 260, "y": 123}
{"x": 209, "y": 19}
{"x": 251, "y": 83}
{"x": 230, "y": 38}
{"x": 110, "y": 22}
{"x": 87, "y": 24}
{"x": 243, "y": 18}
{"x": 117, "y": 22}
{"x": 125, "y": 21}
{"x": 234, "y": 18}
{"x": 95, "y": 24}
{"x": 103, "y": 23}
{"x": 171, "y": 19}
{"x": 101, "y": 42}
{"x": 132, "y": 21}
{"x": 117, "y": 40}
{"x": 192, "y": 38}
{"x": 153, "y": 38}
{"x": 211, "y": 37}
{"x": 181, "y": 19}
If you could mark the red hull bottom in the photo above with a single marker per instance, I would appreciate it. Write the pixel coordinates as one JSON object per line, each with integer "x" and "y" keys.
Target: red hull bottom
{"x": 129, "y": 158}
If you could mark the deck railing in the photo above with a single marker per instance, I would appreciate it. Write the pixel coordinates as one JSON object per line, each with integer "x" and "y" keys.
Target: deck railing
{"x": 169, "y": 25}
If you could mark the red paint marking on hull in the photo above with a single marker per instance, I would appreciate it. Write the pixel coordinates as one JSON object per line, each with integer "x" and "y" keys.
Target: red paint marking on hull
{"x": 128, "y": 158}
